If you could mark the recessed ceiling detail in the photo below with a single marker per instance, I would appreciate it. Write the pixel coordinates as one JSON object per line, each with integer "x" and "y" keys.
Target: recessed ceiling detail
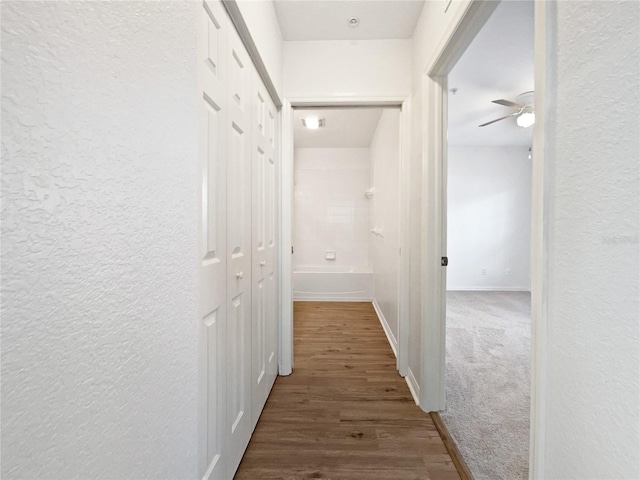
{"x": 325, "y": 19}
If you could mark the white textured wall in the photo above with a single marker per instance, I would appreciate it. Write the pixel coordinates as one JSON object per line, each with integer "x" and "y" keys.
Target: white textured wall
{"x": 345, "y": 67}
{"x": 330, "y": 211}
{"x": 592, "y": 397}
{"x": 385, "y": 214}
{"x": 260, "y": 17}
{"x": 489, "y": 218}
{"x": 99, "y": 229}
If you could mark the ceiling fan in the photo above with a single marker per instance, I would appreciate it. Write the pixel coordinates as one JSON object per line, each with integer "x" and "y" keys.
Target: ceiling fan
{"x": 525, "y": 116}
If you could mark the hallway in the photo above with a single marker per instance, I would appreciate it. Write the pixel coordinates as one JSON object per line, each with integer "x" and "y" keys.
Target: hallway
{"x": 344, "y": 413}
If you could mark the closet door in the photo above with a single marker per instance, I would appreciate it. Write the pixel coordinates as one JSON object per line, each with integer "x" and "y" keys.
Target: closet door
{"x": 264, "y": 325}
{"x": 238, "y": 185}
{"x": 238, "y": 332}
{"x": 212, "y": 70}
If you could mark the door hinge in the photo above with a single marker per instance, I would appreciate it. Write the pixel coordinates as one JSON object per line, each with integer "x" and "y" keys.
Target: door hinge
{"x": 291, "y": 249}
{"x": 444, "y": 261}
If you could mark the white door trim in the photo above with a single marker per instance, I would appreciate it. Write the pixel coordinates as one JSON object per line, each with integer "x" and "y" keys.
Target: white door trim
{"x": 434, "y": 167}
{"x": 434, "y": 151}
{"x": 433, "y": 243}
{"x": 545, "y": 100}
{"x": 404, "y": 272}
{"x": 346, "y": 101}
{"x": 285, "y": 330}
{"x": 286, "y": 281}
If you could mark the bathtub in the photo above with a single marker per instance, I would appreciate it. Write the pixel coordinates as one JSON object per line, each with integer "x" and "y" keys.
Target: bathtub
{"x": 332, "y": 284}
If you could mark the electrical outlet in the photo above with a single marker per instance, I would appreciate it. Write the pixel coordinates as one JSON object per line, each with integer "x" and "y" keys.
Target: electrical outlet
{"x": 508, "y": 271}
{"x": 483, "y": 271}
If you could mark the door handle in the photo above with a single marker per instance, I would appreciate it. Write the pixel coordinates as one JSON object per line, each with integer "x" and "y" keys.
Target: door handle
{"x": 239, "y": 275}
{"x": 263, "y": 263}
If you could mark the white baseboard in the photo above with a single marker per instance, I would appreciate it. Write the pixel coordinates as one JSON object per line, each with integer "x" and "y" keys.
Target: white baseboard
{"x": 385, "y": 326}
{"x": 413, "y": 386}
{"x": 331, "y": 299}
{"x": 488, "y": 289}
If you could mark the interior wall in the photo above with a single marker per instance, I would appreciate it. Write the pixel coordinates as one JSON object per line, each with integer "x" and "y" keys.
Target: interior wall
{"x": 343, "y": 68}
{"x": 330, "y": 210}
{"x": 99, "y": 240}
{"x": 592, "y": 302}
{"x": 375, "y": 68}
{"x": 489, "y": 218}
{"x": 437, "y": 21}
{"x": 260, "y": 17}
{"x": 385, "y": 215}
{"x": 592, "y": 157}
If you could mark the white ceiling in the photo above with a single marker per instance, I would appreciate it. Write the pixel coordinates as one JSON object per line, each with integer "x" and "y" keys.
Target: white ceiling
{"x": 344, "y": 128}
{"x": 498, "y": 64}
{"x": 328, "y": 19}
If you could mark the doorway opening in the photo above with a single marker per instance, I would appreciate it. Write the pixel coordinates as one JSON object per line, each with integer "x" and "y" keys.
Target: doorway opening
{"x": 347, "y": 167}
{"x": 488, "y": 243}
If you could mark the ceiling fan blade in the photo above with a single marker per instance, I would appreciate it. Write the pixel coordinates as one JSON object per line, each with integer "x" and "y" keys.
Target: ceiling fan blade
{"x": 497, "y": 120}
{"x": 507, "y": 103}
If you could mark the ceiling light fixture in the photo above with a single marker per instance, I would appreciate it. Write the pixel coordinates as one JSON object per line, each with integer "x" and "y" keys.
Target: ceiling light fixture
{"x": 313, "y": 123}
{"x": 354, "y": 21}
{"x": 526, "y": 119}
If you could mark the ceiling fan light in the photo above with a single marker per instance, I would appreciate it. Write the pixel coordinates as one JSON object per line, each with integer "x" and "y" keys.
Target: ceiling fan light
{"x": 526, "y": 119}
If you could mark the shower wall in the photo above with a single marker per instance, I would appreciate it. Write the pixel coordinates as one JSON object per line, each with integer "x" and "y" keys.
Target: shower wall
{"x": 385, "y": 219}
{"x": 345, "y": 241}
{"x": 331, "y": 212}
{"x": 331, "y": 224}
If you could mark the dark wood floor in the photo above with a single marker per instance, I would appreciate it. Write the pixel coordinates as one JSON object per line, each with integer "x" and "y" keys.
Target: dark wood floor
{"x": 344, "y": 413}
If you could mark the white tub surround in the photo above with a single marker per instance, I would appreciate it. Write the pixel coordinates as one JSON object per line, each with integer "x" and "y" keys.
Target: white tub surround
{"x": 331, "y": 213}
{"x": 332, "y": 284}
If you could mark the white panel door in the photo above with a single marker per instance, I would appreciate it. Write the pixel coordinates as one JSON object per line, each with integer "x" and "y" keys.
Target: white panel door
{"x": 237, "y": 259}
{"x": 238, "y": 341}
{"x": 213, "y": 113}
{"x": 264, "y": 324}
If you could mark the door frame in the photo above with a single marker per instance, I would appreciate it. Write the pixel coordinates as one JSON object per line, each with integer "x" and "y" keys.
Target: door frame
{"x": 286, "y": 221}
{"x": 434, "y": 193}
{"x": 434, "y": 178}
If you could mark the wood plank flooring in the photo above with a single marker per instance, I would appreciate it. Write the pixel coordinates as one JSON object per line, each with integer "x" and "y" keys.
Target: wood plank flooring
{"x": 344, "y": 413}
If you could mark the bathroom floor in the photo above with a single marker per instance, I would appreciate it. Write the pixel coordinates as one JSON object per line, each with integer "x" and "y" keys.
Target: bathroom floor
{"x": 344, "y": 412}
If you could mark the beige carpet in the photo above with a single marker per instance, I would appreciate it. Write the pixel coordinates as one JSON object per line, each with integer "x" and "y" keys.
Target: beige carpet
{"x": 487, "y": 381}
